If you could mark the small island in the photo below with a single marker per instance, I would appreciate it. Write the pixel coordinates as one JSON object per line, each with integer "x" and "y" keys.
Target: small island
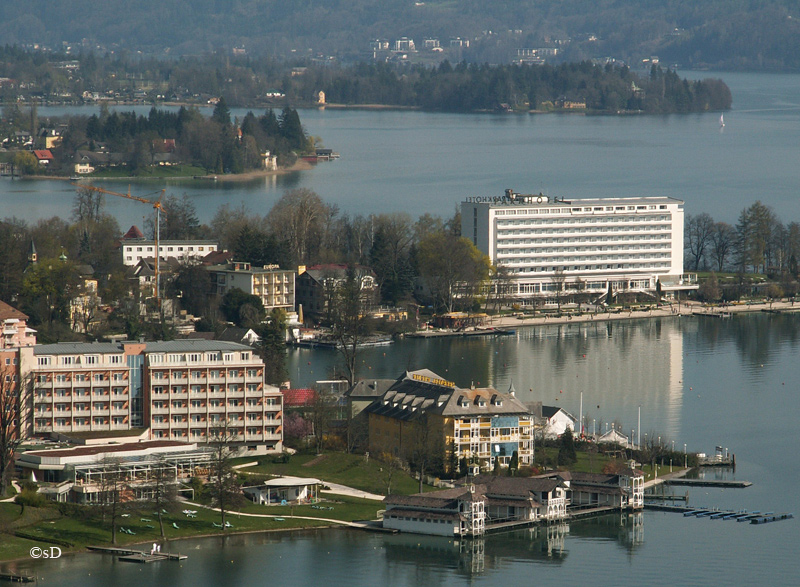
{"x": 164, "y": 144}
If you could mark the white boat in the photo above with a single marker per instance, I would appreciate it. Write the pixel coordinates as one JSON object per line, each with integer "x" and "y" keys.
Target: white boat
{"x": 721, "y": 120}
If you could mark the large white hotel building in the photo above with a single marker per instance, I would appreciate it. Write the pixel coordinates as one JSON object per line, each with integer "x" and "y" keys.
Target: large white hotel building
{"x": 579, "y": 245}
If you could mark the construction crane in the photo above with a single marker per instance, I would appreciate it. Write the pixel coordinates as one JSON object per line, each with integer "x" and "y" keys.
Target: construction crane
{"x": 156, "y": 204}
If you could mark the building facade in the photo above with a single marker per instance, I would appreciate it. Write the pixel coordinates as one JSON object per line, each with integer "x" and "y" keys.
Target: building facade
{"x": 482, "y": 427}
{"x": 273, "y": 285}
{"x": 136, "y": 249}
{"x": 549, "y": 245}
{"x": 187, "y": 390}
{"x": 318, "y": 284}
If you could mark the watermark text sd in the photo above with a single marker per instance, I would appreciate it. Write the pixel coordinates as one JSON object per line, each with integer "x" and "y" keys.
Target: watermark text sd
{"x": 46, "y": 552}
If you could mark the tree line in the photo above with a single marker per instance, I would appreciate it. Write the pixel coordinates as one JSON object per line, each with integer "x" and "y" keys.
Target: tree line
{"x": 759, "y": 242}
{"x": 472, "y": 87}
{"x": 216, "y": 143}
{"x": 463, "y": 87}
{"x": 758, "y": 34}
{"x": 299, "y": 229}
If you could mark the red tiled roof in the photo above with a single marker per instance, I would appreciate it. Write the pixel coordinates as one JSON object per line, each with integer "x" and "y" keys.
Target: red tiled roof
{"x": 298, "y": 397}
{"x": 9, "y": 312}
{"x": 133, "y": 232}
{"x": 43, "y": 154}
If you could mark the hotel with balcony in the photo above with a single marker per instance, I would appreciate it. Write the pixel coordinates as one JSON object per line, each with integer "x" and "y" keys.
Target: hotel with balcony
{"x": 275, "y": 286}
{"x": 555, "y": 244}
{"x": 482, "y": 426}
{"x": 184, "y": 390}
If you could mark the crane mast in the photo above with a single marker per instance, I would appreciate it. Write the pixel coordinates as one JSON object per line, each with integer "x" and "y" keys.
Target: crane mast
{"x": 157, "y": 206}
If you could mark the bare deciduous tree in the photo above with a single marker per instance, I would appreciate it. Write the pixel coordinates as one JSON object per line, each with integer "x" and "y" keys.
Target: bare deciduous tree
{"x": 10, "y": 417}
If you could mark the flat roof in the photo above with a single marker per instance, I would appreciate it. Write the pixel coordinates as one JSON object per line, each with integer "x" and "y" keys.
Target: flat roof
{"x": 81, "y": 451}
{"x": 547, "y": 201}
{"x": 291, "y": 482}
{"x": 170, "y": 346}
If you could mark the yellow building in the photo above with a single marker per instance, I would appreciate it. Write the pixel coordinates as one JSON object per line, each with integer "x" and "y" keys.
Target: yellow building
{"x": 480, "y": 425}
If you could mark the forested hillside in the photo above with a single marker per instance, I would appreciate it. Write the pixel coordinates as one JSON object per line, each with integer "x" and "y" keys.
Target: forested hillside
{"x": 751, "y": 34}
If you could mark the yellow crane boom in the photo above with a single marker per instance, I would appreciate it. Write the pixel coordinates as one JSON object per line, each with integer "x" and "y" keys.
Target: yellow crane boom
{"x": 157, "y": 206}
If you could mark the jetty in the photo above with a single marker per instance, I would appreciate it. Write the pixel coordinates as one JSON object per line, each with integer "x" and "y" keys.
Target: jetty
{"x": 137, "y": 556}
{"x": 16, "y": 578}
{"x": 708, "y": 483}
{"x": 756, "y": 517}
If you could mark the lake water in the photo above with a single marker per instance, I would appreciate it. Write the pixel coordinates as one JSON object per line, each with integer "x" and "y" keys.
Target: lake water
{"x": 428, "y": 162}
{"x": 699, "y": 381}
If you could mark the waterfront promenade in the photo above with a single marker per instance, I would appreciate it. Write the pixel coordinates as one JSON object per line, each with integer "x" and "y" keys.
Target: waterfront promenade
{"x": 688, "y": 308}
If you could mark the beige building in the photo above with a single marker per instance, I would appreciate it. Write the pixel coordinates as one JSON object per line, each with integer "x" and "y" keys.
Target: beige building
{"x": 275, "y": 286}
{"x": 187, "y": 390}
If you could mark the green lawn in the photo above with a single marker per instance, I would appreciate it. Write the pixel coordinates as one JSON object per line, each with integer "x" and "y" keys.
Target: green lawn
{"x": 348, "y": 469}
{"x": 587, "y": 462}
{"x": 337, "y": 507}
{"x": 81, "y": 531}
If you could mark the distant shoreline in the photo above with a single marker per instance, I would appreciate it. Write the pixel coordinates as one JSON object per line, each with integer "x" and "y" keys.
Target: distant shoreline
{"x": 670, "y": 310}
{"x": 299, "y": 165}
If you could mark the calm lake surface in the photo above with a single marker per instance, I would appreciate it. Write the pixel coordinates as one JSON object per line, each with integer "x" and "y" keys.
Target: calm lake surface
{"x": 421, "y": 162}
{"x": 698, "y": 381}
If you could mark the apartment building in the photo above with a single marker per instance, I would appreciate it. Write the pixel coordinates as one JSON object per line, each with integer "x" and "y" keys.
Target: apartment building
{"x": 549, "y": 245}
{"x": 198, "y": 389}
{"x": 188, "y": 390}
{"x": 135, "y": 247}
{"x": 275, "y": 286}
{"x": 481, "y": 426}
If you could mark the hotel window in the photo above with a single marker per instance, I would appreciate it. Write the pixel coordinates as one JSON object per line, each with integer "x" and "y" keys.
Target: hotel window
{"x": 91, "y": 359}
{"x": 115, "y": 359}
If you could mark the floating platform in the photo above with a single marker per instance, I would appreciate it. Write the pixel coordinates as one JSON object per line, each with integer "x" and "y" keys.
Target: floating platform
{"x": 772, "y": 518}
{"x": 147, "y": 558}
{"x": 137, "y": 556}
{"x": 16, "y": 578}
{"x": 708, "y": 483}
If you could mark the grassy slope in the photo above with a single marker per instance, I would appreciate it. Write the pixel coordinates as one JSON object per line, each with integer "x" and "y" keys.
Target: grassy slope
{"x": 348, "y": 469}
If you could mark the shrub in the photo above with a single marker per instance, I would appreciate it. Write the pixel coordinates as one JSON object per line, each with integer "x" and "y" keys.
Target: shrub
{"x": 30, "y": 498}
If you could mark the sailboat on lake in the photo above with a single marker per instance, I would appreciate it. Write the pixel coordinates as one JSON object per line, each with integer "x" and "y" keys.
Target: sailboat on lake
{"x": 721, "y": 121}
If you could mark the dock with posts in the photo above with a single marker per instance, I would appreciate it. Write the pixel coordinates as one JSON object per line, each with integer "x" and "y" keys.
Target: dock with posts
{"x": 137, "y": 556}
{"x": 16, "y": 578}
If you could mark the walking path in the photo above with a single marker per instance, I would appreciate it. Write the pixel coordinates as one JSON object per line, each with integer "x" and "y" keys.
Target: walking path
{"x": 683, "y": 309}
{"x": 665, "y": 477}
{"x": 338, "y": 489}
{"x": 284, "y": 516}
